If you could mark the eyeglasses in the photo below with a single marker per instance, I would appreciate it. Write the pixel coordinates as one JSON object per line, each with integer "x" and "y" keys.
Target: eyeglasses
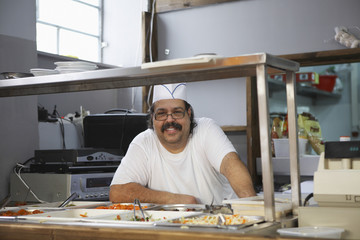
{"x": 162, "y": 116}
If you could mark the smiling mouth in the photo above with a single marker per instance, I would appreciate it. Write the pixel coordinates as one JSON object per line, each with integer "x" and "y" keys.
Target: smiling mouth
{"x": 171, "y": 127}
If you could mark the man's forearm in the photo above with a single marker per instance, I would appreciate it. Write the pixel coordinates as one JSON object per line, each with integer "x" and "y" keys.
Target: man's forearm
{"x": 238, "y": 175}
{"x": 131, "y": 191}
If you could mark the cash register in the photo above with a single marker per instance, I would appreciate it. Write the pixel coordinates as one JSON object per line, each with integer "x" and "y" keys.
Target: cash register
{"x": 336, "y": 190}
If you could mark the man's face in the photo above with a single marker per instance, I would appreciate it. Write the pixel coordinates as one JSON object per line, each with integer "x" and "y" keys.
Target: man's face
{"x": 172, "y": 133}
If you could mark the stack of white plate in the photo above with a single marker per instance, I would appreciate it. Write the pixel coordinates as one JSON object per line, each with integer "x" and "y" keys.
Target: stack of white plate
{"x": 42, "y": 71}
{"x": 74, "y": 66}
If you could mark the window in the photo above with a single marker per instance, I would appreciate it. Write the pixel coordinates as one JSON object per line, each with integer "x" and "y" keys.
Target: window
{"x": 70, "y": 28}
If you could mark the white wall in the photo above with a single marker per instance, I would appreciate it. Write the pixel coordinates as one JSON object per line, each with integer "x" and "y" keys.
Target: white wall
{"x": 18, "y": 115}
{"x": 122, "y": 33}
{"x": 15, "y": 18}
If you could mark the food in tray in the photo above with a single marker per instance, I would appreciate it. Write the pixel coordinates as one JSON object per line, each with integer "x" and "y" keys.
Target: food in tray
{"x": 120, "y": 206}
{"x": 180, "y": 209}
{"x": 212, "y": 220}
{"x": 84, "y": 215}
{"x": 139, "y": 219}
{"x": 21, "y": 212}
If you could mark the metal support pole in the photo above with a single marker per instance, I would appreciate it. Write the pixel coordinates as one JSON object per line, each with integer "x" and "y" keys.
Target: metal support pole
{"x": 293, "y": 141}
{"x": 265, "y": 144}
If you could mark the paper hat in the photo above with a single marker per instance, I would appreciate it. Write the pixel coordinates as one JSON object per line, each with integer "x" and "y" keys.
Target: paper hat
{"x": 170, "y": 91}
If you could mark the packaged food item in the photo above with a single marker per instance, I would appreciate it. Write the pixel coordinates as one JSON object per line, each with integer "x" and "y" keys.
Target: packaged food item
{"x": 313, "y": 131}
{"x": 276, "y": 132}
{"x": 301, "y": 124}
{"x": 276, "y": 129}
{"x": 285, "y": 130}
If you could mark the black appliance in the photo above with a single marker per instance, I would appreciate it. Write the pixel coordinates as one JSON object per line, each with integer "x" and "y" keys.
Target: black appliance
{"x": 113, "y": 131}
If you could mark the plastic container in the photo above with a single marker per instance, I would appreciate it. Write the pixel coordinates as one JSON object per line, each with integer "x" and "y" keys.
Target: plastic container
{"x": 303, "y": 77}
{"x": 281, "y": 146}
{"x": 312, "y": 232}
{"x": 326, "y": 82}
{"x": 345, "y": 139}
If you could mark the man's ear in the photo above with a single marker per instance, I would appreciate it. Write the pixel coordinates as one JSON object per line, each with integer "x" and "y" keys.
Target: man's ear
{"x": 189, "y": 111}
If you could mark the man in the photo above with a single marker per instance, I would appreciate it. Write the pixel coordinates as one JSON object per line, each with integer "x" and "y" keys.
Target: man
{"x": 180, "y": 159}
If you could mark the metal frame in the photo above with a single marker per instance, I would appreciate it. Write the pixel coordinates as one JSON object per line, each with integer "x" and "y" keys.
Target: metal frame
{"x": 259, "y": 65}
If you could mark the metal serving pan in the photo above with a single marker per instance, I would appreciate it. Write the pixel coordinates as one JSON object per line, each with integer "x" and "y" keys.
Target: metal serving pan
{"x": 180, "y": 207}
{"x": 70, "y": 205}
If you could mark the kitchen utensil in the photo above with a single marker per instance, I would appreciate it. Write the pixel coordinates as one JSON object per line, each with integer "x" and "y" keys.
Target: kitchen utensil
{"x": 69, "y": 199}
{"x": 5, "y": 201}
{"x": 137, "y": 201}
{"x": 12, "y": 75}
{"x": 221, "y": 220}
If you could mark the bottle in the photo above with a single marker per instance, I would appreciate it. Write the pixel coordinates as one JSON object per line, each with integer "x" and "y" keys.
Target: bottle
{"x": 285, "y": 130}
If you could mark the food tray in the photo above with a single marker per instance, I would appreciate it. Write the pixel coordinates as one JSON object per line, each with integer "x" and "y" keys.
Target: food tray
{"x": 71, "y": 204}
{"x": 180, "y": 207}
{"x": 250, "y": 220}
{"x": 122, "y": 217}
{"x": 106, "y": 216}
{"x": 69, "y": 215}
{"x": 21, "y": 215}
{"x": 254, "y": 206}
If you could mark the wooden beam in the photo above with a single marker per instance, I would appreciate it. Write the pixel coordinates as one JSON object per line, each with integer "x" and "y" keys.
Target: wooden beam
{"x": 228, "y": 128}
{"x": 252, "y": 124}
{"x": 173, "y": 5}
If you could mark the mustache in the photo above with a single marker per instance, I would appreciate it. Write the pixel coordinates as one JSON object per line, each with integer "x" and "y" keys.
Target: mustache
{"x": 171, "y": 124}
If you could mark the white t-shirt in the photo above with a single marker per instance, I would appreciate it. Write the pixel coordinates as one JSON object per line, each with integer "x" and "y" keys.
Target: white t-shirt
{"x": 194, "y": 171}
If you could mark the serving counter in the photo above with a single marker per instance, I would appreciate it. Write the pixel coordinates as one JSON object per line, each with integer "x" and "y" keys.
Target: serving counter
{"x": 41, "y": 231}
{"x": 185, "y": 70}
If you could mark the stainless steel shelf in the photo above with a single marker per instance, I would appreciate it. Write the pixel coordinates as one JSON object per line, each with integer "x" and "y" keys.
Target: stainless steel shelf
{"x": 275, "y": 85}
{"x": 219, "y": 68}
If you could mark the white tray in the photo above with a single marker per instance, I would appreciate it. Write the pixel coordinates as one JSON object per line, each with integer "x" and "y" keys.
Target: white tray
{"x": 105, "y": 216}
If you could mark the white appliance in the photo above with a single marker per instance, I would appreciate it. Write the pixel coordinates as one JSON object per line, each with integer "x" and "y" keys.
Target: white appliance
{"x": 54, "y": 187}
{"x": 336, "y": 190}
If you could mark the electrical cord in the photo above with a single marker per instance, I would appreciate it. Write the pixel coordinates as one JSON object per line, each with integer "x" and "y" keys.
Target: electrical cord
{"x": 308, "y": 197}
{"x": 151, "y": 29}
{"x": 18, "y": 174}
{"x": 62, "y": 128}
{"x": 148, "y": 98}
{"x": 123, "y": 132}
